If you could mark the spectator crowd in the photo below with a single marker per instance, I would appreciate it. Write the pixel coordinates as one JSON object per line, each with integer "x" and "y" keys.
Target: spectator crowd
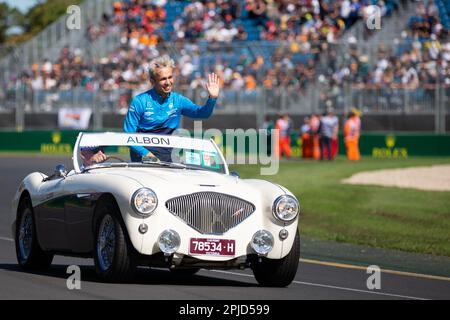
{"x": 298, "y": 45}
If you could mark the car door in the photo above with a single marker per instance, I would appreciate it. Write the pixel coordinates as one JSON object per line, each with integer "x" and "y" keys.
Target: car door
{"x": 79, "y": 212}
{"x": 50, "y": 215}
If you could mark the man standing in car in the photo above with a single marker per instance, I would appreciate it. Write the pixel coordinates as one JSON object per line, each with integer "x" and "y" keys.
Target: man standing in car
{"x": 159, "y": 109}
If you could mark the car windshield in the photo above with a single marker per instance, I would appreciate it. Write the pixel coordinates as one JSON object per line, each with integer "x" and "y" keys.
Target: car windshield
{"x": 104, "y": 150}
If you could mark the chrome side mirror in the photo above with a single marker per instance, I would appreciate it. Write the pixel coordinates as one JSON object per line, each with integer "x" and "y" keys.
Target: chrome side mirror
{"x": 60, "y": 171}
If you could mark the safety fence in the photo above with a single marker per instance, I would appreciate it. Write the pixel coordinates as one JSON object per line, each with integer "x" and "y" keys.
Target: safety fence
{"x": 370, "y": 99}
{"x": 431, "y": 100}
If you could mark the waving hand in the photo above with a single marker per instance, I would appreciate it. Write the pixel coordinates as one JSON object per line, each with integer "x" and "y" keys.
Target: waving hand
{"x": 213, "y": 86}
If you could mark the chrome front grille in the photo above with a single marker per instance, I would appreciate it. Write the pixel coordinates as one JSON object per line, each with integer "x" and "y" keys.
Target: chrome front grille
{"x": 210, "y": 212}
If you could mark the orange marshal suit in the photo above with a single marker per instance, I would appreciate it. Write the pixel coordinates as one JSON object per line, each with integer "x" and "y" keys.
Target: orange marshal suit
{"x": 351, "y": 137}
{"x": 284, "y": 142}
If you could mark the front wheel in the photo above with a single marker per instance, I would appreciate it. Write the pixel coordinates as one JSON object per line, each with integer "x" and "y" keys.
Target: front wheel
{"x": 278, "y": 272}
{"x": 113, "y": 253}
{"x": 29, "y": 254}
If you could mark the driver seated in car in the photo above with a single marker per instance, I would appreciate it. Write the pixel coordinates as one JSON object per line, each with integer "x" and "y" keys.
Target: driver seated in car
{"x": 92, "y": 155}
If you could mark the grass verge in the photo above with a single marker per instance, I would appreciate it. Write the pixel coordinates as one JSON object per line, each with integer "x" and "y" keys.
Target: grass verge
{"x": 384, "y": 217}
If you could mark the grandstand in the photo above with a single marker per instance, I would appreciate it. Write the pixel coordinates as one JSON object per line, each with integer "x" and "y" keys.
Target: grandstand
{"x": 272, "y": 56}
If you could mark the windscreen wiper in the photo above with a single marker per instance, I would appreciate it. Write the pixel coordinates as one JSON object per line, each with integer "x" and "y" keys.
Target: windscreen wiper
{"x": 172, "y": 165}
{"x": 107, "y": 165}
{"x": 165, "y": 164}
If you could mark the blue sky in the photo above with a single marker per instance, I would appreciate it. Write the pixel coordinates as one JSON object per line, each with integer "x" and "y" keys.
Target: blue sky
{"x": 22, "y": 5}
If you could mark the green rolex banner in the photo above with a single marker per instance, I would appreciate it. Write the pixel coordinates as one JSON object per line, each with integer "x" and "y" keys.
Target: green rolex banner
{"x": 377, "y": 145}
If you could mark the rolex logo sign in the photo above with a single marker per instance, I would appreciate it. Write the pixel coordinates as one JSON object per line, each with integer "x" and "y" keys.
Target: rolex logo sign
{"x": 390, "y": 151}
{"x": 56, "y": 137}
{"x": 390, "y": 141}
{"x": 56, "y": 146}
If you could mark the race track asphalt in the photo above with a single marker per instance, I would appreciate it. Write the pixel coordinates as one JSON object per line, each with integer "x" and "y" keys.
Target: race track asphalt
{"x": 314, "y": 279}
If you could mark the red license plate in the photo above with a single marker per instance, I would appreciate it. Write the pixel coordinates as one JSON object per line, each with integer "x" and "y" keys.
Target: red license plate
{"x": 214, "y": 247}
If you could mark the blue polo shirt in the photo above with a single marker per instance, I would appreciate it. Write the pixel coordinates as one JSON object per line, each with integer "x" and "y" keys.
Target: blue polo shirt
{"x": 149, "y": 112}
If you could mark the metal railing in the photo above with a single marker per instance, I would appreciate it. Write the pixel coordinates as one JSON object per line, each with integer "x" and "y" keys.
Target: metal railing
{"x": 368, "y": 99}
{"x": 371, "y": 100}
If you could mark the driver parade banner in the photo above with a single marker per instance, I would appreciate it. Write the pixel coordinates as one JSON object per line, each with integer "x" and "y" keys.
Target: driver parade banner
{"x": 145, "y": 140}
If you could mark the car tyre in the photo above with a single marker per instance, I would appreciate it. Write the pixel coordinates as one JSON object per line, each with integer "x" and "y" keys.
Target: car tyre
{"x": 278, "y": 272}
{"x": 114, "y": 256}
{"x": 29, "y": 254}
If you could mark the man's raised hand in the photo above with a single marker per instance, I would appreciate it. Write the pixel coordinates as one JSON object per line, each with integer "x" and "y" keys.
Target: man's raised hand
{"x": 213, "y": 85}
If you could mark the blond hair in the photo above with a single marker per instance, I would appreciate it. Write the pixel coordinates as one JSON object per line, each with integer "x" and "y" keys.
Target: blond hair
{"x": 160, "y": 62}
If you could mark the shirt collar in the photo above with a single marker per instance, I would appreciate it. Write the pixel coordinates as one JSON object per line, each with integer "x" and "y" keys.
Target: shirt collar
{"x": 158, "y": 97}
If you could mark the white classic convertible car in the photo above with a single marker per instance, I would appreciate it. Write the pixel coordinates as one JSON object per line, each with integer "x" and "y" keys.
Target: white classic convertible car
{"x": 184, "y": 213}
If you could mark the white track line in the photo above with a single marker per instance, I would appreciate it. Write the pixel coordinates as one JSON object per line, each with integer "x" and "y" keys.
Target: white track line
{"x": 357, "y": 290}
{"x": 6, "y": 239}
{"x": 330, "y": 287}
{"x": 394, "y": 272}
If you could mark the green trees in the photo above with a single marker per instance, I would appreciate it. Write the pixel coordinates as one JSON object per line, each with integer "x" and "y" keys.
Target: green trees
{"x": 43, "y": 14}
{"x": 35, "y": 20}
{"x": 9, "y": 17}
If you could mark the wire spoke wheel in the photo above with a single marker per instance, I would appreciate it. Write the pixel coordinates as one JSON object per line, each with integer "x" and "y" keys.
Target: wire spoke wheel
{"x": 29, "y": 253}
{"x": 26, "y": 234}
{"x": 106, "y": 242}
{"x": 114, "y": 257}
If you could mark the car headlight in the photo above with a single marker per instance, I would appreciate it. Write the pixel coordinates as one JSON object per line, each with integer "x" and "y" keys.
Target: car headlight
{"x": 144, "y": 201}
{"x": 286, "y": 208}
